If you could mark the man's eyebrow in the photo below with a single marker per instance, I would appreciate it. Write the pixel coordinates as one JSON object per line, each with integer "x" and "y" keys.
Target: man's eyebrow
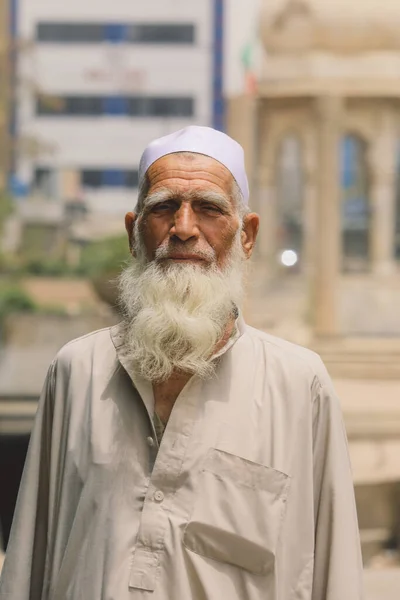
{"x": 165, "y": 194}
{"x": 214, "y": 198}
{"x": 162, "y": 195}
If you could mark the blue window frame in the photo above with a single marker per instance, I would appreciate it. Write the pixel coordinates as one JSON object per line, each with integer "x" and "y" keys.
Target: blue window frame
{"x": 115, "y": 105}
{"x": 113, "y": 178}
{"x": 356, "y": 210}
{"x": 218, "y": 111}
{"x": 115, "y": 33}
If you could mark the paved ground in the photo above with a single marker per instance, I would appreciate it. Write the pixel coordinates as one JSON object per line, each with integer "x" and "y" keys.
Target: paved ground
{"x": 382, "y": 584}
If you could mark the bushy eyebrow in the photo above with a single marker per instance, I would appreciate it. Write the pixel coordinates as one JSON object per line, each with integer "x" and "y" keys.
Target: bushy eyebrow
{"x": 165, "y": 194}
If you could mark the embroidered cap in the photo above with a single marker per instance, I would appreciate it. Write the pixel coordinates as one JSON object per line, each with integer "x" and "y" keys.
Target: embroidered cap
{"x": 200, "y": 140}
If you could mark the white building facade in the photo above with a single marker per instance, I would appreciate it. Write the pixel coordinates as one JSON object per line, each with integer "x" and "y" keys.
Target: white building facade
{"x": 100, "y": 79}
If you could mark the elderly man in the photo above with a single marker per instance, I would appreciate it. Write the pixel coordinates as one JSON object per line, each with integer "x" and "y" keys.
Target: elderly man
{"x": 182, "y": 454}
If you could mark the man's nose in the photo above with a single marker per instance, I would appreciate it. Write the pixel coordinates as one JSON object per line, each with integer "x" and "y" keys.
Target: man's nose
{"x": 185, "y": 223}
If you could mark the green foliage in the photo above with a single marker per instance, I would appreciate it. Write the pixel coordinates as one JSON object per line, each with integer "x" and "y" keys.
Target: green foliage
{"x": 3, "y": 263}
{"x": 13, "y": 265}
{"x": 104, "y": 257}
{"x": 46, "y": 267}
{"x": 97, "y": 259}
{"x": 13, "y": 299}
{"x": 6, "y": 208}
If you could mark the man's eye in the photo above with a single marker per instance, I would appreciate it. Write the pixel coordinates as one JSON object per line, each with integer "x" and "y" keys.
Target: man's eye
{"x": 163, "y": 206}
{"x": 211, "y": 207}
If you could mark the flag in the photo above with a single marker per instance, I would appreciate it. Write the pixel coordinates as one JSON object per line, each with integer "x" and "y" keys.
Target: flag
{"x": 247, "y": 59}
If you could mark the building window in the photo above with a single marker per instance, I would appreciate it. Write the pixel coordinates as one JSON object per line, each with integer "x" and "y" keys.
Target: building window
{"x": 135, "y": 33}
{"x": 41, "y": 176}
{"x": 397, "y": 210}
{"x": 113, "y": 178}
{"x": 43, "y": 181}
{"x": 84, "y": 105}
{"x": 116, "y": 178}
{"x": 115, "y": 32}
{"x": 47, "y": 105}
{"x": 290, "y": 202}
{"x": 161, "y": 107}
{"x": 132, "y": 179}
{"x": 134, "y": 106}
{"x": 64, "y": 33}
{"x": 161, "y": 34}
{"x": 355, "y": 204}
{"x": 115, "y": 105}
{"x": 70, "y": 105}
{"x": 91, "y": 178}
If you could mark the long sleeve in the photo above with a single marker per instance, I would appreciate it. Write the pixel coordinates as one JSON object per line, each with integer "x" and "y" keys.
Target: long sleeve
{"x": 24, "y": 568}
{"x": 337, "y": 560}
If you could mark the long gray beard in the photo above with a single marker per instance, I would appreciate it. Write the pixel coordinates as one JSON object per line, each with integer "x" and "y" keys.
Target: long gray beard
{"x": 175, "y": 315}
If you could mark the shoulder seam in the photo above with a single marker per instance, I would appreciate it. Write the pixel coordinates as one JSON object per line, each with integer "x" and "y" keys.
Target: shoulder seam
{"x": 316, "y": 379}
{"x": 272, "y": 343}
{"x": 83, "y": 337}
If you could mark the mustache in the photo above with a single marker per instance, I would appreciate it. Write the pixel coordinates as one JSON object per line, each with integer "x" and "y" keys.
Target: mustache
{"x": 171, "y": 250}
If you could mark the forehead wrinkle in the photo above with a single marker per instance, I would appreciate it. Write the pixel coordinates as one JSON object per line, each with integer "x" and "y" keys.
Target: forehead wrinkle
{"x": 197, "y": 173}
{"x": 200, "y": 167}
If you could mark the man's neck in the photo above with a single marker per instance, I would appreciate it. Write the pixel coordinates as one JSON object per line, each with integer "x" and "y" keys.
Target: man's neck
{"x": 166, "y": 392}
{"x": 227, "y": 334}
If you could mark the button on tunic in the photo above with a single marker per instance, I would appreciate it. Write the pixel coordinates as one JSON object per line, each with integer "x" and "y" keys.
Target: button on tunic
{"x": 248, "y": 496}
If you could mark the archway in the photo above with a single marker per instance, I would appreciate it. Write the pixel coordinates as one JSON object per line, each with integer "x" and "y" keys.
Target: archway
{"x": 355, "y": 205}
{"x": 290, "y": 193}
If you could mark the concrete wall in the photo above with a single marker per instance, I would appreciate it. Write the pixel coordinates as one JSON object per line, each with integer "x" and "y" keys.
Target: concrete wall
{"x": 370, "y": 305}
{"x": 36, "y": 331}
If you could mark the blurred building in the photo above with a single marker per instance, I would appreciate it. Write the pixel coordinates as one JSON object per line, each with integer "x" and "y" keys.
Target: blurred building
{"x": 99, "y": 80}
{"x": 322, "y": 140}
{"x": 5, "y": 93}
{"x": 321, "y": 130}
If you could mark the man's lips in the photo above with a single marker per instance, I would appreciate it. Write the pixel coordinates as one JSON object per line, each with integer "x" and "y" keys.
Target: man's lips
{"x": 183, "y": 257}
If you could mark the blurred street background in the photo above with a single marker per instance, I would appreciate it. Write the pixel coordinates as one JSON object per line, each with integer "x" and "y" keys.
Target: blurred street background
{"x": 311, "y": 89}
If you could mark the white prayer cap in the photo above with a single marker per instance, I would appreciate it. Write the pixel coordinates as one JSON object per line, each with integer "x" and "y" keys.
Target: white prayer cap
{"x": 200, "y": 140}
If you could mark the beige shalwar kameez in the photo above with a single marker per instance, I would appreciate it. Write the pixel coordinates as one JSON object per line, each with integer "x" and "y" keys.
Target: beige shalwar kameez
{"x": 248, "y": 497}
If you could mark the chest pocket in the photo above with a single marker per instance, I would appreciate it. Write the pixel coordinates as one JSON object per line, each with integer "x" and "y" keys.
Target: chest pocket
{"x": 238, "y": 512}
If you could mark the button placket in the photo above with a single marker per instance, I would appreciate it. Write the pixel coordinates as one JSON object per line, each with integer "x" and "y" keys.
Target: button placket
{"x": 165, "y": 473}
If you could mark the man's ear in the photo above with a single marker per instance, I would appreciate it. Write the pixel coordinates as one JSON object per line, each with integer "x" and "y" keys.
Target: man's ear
{"x": 251, "y": 223}
{"x": 130, "y": 219}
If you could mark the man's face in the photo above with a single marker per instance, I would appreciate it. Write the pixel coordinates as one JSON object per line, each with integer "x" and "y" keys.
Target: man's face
{"x": 190, "y": 245}
{"x": 189, "y": 215}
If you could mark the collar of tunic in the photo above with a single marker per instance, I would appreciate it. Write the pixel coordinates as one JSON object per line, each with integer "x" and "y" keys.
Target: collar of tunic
{"x": 144, "y": 387}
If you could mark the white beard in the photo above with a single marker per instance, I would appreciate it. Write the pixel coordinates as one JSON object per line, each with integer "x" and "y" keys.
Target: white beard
{"x": 175, "y": 314}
